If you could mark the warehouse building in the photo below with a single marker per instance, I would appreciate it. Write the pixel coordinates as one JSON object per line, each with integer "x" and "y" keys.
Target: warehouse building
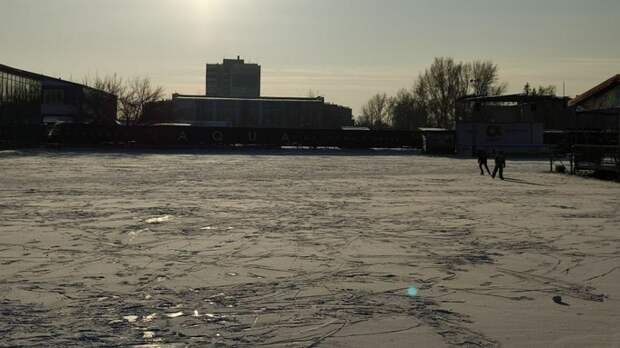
{"x": 264, "y": 112}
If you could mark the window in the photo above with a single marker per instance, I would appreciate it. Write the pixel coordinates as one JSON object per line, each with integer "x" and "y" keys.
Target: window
{"x": 53, "y": 96}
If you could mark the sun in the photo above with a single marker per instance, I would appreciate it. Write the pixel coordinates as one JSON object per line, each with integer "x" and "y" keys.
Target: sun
{"x": 207, "y": 6}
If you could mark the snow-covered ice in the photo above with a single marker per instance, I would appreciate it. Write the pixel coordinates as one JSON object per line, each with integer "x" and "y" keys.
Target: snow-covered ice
{"x": 303, "y": 248}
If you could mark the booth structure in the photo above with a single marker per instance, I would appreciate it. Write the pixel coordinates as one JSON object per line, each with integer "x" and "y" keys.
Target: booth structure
{"x": 510, "y": 123}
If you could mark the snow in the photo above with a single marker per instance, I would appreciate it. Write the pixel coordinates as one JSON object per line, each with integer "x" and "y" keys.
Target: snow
{"x": 303, "y": 247}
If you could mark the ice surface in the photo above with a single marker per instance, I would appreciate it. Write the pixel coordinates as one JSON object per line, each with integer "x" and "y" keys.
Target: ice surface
{"x": 324, "y": 243}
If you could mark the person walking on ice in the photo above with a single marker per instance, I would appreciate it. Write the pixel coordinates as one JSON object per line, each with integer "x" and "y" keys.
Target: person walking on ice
{"x": 482, "y": 162}
{"x": 500, "y": 164}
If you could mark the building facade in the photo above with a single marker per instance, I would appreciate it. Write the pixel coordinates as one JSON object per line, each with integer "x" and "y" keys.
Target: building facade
{"x": 553, "y": 112}
{"x": 233, "y": 79}
{"x": 20, "y": 97}
{"x": 233, "y": 100}
{"x": 265, "y": 112}
{"x": 27, "y": 98}
{"x": 511, "y": 123}
{"x": 599, "y": 107}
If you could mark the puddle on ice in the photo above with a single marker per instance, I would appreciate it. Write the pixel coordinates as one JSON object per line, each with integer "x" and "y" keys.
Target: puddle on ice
{"x": 150, "y": 317}
{"x": 175, "y": 315}
{"x": 159, "y": 220}
{"x": 412, "y": 291}
{"x": 131, "y": 318}
{"x": 209, "y": 228}
{"x": 134, "y": 234}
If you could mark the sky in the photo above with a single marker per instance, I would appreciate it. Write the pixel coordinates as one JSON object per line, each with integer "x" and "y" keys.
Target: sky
{"x": 345, "y": 50}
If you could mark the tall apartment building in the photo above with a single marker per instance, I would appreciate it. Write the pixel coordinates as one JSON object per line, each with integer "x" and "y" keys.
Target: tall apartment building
{"x": 233, "y": 79}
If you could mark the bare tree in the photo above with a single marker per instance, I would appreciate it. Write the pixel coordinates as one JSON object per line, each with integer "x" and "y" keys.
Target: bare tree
{"x": 112, "y": 84}
{"x": 102, "y": 106}
{"x": 405, "y": 111}
{"x": 132, "y": 95}
{"x": 541, "y": 90}
{"x": 375, "y": 113}
{"x": 483, "y": 78}
{"x": 438, "y": 89}
{"x": 139, "y": 92}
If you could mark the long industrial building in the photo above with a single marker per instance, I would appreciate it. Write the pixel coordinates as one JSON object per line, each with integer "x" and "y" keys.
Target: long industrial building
{"x": 264, "y": 112}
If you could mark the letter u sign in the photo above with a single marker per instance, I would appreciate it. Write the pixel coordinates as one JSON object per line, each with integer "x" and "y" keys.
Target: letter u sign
{"x": 217, "y": 136}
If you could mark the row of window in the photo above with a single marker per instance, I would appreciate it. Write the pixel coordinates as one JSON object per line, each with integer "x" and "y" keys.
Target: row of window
{"x": 16, "y": 89}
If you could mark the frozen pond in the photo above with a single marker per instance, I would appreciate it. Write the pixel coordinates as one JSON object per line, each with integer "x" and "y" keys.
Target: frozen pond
{"x": 303, "y": 248}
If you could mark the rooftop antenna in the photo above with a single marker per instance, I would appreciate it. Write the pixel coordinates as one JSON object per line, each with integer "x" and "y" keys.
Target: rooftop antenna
{"x": 564, "y": 88}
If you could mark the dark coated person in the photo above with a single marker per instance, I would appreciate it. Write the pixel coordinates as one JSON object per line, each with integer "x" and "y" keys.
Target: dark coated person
{"x": 482, "y": 162}
{"x": 500, "y": 164}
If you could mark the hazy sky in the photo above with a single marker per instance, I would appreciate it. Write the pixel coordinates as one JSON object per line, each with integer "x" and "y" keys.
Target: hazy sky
{"x": 347, "y": 50}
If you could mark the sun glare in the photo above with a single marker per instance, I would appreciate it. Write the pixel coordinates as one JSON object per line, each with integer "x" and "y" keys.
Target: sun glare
{"x": 207, "y": 6}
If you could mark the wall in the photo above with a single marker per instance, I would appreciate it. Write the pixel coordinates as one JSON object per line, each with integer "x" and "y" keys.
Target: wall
{"x": 553, "y": 113}
{"x": 508, "y": 137}
{"x": 265, "y": 113}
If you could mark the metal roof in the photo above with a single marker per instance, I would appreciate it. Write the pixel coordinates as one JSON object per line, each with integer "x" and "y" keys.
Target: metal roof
{"x": 269, "y": 99}
{"x": 513, "y": 98}
{"x": 596, "y": 90}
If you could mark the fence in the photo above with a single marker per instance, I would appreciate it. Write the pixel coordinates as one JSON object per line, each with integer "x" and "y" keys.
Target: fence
{"x": 596, "y": 158}
{"x": 179, "y": 136}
